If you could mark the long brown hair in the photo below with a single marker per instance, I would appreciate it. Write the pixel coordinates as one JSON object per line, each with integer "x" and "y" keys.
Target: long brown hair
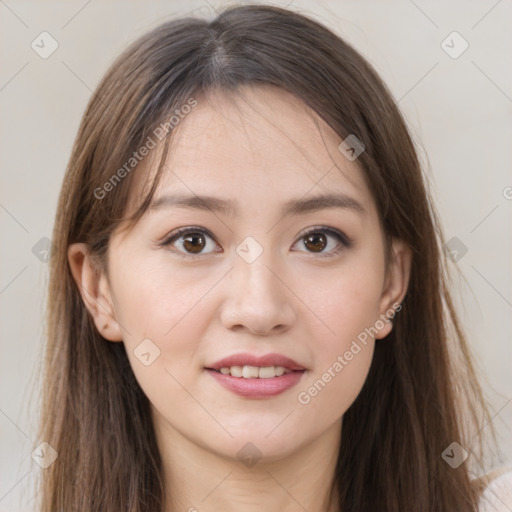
{"x": 421, "y": 393}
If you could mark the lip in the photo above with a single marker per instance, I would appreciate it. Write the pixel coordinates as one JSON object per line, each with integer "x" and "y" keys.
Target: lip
{"x": 252, "y": 360}
{"x": 257, "y": 388}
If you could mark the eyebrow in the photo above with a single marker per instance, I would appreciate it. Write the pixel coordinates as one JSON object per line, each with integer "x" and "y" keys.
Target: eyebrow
{"x": 227, "y": 207}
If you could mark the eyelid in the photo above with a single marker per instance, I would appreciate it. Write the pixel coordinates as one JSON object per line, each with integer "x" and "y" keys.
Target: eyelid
{"x": 183, "y": 231}
{"x": 325, "y": 229}
{"x": 343, "y": 239}
{"x": 179, "y": 232}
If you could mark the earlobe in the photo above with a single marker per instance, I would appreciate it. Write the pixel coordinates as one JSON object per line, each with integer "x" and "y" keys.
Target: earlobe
{"x": 94, "y": 289}
{"x": 396, "y": 284}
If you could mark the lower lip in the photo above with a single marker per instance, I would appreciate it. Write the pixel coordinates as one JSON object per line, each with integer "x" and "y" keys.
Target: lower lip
{"x": 257, "y": 388}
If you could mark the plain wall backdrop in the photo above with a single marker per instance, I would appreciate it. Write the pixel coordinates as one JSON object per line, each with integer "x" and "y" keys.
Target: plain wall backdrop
{"x": 454, "y": 89}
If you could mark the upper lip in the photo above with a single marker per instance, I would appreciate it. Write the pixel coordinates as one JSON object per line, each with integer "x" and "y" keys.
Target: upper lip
{"x": 252, "y": 360}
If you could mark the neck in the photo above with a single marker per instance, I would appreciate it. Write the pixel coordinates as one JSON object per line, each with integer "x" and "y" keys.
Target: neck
{"x": 197, "y": 479}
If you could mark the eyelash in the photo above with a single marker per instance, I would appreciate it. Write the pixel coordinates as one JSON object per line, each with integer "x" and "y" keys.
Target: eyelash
{"x": 344, "y": 241}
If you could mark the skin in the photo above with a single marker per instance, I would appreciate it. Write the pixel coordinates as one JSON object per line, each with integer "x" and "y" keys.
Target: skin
{"x": 265, "y": 148}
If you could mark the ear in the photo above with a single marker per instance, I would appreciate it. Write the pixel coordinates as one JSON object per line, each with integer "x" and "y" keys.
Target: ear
{"x": 395, "y": 285}
{"x": 95, "y": 291}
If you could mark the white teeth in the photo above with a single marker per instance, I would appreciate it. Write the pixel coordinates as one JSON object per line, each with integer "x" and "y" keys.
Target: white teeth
{"x": 254, "y": 372}
{"x": 236, "y": 371}
{"x": 280, "y": 370}
{"x": 250, "y": 372}
{"x": 267, "y": 372}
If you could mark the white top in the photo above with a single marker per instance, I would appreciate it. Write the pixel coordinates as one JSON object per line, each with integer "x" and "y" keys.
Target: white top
{"x": 497, "y": 496}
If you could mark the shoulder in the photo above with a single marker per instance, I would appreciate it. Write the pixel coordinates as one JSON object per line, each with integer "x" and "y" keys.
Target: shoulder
{"x": 496, "y": 491}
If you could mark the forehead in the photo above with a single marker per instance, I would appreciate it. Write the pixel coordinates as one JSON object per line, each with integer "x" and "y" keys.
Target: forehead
{"x": 261, "y": 140}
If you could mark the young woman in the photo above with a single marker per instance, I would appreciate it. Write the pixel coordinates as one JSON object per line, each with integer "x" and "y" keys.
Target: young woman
{"x": 248, "y": 306}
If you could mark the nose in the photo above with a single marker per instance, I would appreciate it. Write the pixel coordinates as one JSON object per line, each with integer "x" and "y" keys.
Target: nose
{"x": 257, "y": 299}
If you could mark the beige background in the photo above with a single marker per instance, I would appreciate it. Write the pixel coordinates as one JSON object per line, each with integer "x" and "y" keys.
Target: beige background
{"x": 459, "y": 111}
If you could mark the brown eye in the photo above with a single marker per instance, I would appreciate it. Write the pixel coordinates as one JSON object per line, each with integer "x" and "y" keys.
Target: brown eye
{"x": 323, "y": 242}
{"x": 315, "y": 242}
{"x": 194, "y": 243}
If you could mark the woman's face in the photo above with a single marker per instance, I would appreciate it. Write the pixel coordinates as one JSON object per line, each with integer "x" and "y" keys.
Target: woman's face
{"x": 280, "y": 254}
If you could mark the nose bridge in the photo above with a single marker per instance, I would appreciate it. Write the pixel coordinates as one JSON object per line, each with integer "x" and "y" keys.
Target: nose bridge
{"x": 257, "y": 282}
{"x": 252, "y": 264}
{"x": 257, "y": 279}
{"x": 257, "y": 299}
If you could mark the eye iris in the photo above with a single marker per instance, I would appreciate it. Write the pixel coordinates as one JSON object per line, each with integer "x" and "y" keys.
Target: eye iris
{"x": 194, "y": 242}
{"x": 316, "y": 242}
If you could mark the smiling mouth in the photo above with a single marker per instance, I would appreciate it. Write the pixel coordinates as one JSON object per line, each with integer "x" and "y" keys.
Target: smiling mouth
{"x": 257, "y": 382}
{"x": 255, "y": 372}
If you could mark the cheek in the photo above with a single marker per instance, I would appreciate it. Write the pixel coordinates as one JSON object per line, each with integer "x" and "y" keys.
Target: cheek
{"x": 348, "y": 305}
{"x": 332, "y": 389}
{"x": 347, "y": 301}
{"x": 342, "y": 357}
{"x": 154, "y": 298}
{"x": 170, "y": 309}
